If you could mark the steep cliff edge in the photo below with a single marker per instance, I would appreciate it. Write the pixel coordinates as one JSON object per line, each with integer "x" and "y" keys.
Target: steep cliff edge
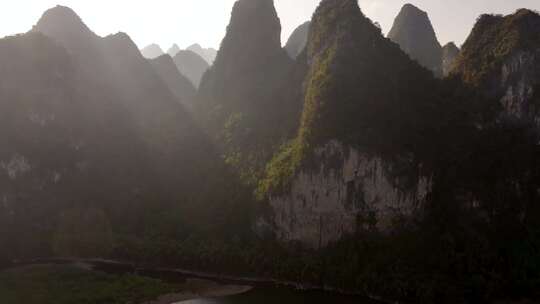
{"x": 501, "y": 57}
{"x": 414, "y": 33}
{"x": 351, "y": 165}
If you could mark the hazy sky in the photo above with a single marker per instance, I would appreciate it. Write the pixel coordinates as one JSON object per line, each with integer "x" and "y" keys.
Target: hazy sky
{"x": 204, "y": 21}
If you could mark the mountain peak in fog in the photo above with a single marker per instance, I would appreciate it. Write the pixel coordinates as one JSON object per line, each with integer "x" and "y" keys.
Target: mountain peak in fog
{"x": 152, "y": 51}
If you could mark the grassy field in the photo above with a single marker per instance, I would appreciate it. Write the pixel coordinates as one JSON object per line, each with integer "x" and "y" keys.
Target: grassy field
{"x": 63, "y": 284}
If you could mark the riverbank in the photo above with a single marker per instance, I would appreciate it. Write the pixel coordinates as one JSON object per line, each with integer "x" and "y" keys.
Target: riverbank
{"x": 78, "y": 282}
{"x": 116, "y": 266}
{"x": 198, "y": 288}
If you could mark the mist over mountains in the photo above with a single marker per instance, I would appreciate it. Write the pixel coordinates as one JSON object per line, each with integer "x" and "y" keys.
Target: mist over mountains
{"x": 388, "y": 166}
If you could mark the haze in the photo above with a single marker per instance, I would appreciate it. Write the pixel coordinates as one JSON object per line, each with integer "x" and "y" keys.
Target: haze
{"x": 204, "y": 21}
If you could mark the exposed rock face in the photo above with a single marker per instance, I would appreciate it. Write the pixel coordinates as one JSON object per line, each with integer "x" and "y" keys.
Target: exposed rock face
{"x": 208, "y": 54}
{"x": 179, "y": 85}
{"x": 338, "y": 176}
{"x": 298, "y": 40}
{"x": 449, "y": 54}
{"x": 347, "y": 191}
{"x": 191, "y": 65}
{"x": 249, "y": 99}
{"x": 414, "y": 33}
{"x": 173, "y": 50}
{"x": 152, "y": 51}
{"x": 502, "y": 58}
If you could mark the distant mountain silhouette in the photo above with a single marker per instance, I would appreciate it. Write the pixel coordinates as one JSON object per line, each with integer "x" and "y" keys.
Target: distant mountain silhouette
{"x": 173, "y": 50}
{"x": 450, "y": 53}
{"x": 298, "y": 40}
{"x": 413, "y": 31}
{"x": 191, "y": 65}
{"x": 181, "y": 86}
{"x": 208, "y": 54}
{"x": 152, "y": 51}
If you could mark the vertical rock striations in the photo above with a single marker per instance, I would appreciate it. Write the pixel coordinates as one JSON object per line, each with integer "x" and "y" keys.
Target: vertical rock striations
{"x": 364, "y": 101}
{"x": 501, "y": 57}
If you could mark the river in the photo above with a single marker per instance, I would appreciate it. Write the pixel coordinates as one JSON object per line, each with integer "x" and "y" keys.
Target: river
{"x": 283, "y": 295}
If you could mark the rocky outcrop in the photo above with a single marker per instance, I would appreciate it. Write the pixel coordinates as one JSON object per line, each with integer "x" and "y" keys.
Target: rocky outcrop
{"x": 191, "y": 65}
{"x": 414, "y": 33}
{"x": 340, "y": 174}
{"x": 501, "y": 57}
{"x": 152, "y": 51}
{"x": 347, "y": 191}
{"x": 450, "y": 53}
{"x": 179, "y": 85}
{"x": 208, "y": 54}
{"x": 298, "y": 40}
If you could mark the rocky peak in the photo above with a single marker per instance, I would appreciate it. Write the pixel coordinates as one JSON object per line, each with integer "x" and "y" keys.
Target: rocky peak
{"x": 191, "y": 65}
{"x": 501, "y": 57}
{"x": 62, "y": 19}
{"x": 173, "y": 50}
{"x": 64, "y": 25}
{"x": 449, "y": 54}
{"x": 152, "y": 51}
{"x": 208, "y": 54}
{"x": 359, "y": 108}
{"x": 253, "y": 33}
{"x": 414, "y": 33}
{"x": 298, "y": 40}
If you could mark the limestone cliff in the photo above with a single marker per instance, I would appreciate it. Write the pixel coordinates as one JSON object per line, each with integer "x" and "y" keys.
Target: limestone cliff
{"x": 501, "y": 57}
{"x": 351, "y": 166}
{"x": 347, "y": 191}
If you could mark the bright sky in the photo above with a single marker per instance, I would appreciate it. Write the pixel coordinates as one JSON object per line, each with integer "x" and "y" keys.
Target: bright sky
{"x": 204, "y": 21}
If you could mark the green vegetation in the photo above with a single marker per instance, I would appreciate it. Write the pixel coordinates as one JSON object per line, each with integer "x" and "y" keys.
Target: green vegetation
{"x": 54, "y": 284}
{"x": 478, "y": 236}
{"x": 492, "y": 40}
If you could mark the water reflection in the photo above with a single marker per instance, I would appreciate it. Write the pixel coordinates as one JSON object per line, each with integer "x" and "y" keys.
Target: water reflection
{"x": 283, "y": 296}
